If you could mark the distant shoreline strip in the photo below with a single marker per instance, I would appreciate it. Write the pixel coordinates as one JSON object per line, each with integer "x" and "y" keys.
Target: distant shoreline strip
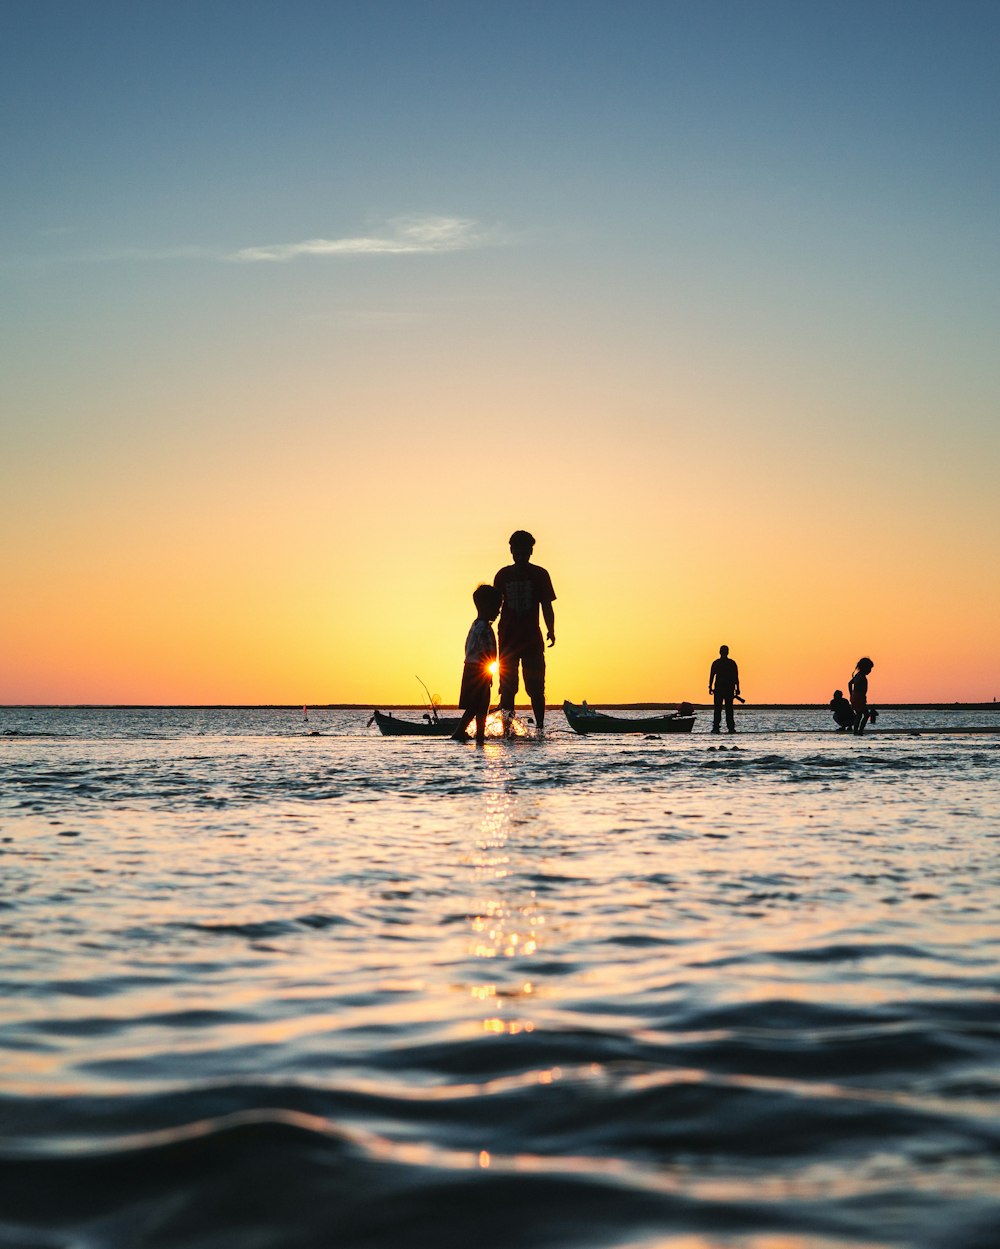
{"x": 990, "y": 706}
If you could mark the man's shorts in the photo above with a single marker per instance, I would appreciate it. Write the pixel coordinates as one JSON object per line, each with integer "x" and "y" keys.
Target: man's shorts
{"x": 530, "y": 653}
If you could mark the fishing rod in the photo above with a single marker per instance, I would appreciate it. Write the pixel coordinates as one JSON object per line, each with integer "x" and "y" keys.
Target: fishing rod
{"x": 430, "y": 701}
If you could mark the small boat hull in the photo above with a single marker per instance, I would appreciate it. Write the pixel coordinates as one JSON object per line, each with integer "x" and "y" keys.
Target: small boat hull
{"x": 392, "y": 727}
{"x": 583, "y": 720}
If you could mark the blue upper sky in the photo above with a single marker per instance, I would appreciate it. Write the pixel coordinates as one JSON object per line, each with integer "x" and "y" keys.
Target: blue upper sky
{"x": 215, "y": 124}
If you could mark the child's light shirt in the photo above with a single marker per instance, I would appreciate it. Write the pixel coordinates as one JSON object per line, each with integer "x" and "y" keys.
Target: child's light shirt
{"x": 481, "y": 644}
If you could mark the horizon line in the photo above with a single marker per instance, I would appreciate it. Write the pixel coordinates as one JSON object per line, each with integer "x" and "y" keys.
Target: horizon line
{"x": 921, "y": 705}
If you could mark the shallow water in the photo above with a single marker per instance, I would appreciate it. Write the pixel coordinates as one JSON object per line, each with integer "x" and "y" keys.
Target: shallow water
{"x": 268, "y": 989}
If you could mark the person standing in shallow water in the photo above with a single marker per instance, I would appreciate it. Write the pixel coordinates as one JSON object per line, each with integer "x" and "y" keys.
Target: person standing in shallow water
{"x": 526, "y": 588}
{"x": 724, "y": 684}
{"x": 480, "y": 654}
{"x": 857, "y": 687}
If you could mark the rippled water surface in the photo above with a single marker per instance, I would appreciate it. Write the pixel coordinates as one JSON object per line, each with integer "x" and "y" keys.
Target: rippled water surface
{"x": 275, "y": 984}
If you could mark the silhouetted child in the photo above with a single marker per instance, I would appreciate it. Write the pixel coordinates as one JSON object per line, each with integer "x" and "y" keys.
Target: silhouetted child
{"x": 843, "y": 712}
{"x": 480, "y": 659}
{"x": 858, "y": 689}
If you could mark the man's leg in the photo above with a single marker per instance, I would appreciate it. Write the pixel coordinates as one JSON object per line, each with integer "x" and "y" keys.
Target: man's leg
{"x": 508, "y": 687}
{"x": 730, "y": 718}
{"x": 717, "y": 713}
{"x": 508, "y": 679}
{"x": 538, "y": 707}
{"x": 533, "y": 665}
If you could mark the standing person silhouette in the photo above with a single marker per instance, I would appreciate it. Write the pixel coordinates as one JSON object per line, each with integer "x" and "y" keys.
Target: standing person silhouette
{"x": 724, "y": 683}
{"x": 857, "y": 688}
{"x": 525, "y": 588}
{"x": 477, "y": 674}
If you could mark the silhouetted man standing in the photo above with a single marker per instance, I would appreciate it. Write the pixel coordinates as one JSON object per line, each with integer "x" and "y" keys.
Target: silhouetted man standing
{"x": 724, "y": 682}
{"x": 525, "y": 588}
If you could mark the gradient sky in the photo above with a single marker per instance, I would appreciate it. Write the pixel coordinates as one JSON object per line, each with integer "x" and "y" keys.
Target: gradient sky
{"x": 305, "y": 306}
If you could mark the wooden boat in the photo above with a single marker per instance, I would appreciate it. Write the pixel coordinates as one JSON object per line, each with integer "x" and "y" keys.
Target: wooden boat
{"x": 388, "y": 724}
{"x": 583, "y": 720}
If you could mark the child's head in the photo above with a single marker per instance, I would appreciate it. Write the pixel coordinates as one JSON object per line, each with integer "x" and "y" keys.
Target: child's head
{"x": 864, "y": 665}
{"x": 838, "y": 694}
{"x": 487, "y": 599}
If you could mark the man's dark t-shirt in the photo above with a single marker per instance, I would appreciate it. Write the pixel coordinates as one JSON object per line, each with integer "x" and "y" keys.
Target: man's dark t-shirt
{"x": 524, "y": 589}
{"x": 727, "y": 675}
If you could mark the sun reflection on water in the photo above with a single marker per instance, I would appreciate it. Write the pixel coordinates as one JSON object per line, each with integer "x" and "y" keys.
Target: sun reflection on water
{"x": 505, "y": 922}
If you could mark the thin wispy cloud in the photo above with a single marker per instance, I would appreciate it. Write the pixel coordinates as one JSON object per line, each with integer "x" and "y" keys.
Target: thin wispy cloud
{"x": 404, "y": 237}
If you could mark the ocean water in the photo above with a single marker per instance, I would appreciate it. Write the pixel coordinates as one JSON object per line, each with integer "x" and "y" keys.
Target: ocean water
{"x": 272, "y": 984}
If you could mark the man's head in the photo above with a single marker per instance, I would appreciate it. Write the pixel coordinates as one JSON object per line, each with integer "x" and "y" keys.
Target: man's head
{"x": 723, "y": 651}
{"x": 521, "y": 546}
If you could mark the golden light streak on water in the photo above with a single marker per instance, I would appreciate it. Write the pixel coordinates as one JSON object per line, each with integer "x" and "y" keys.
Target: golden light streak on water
{"x": 505, "y": 923}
